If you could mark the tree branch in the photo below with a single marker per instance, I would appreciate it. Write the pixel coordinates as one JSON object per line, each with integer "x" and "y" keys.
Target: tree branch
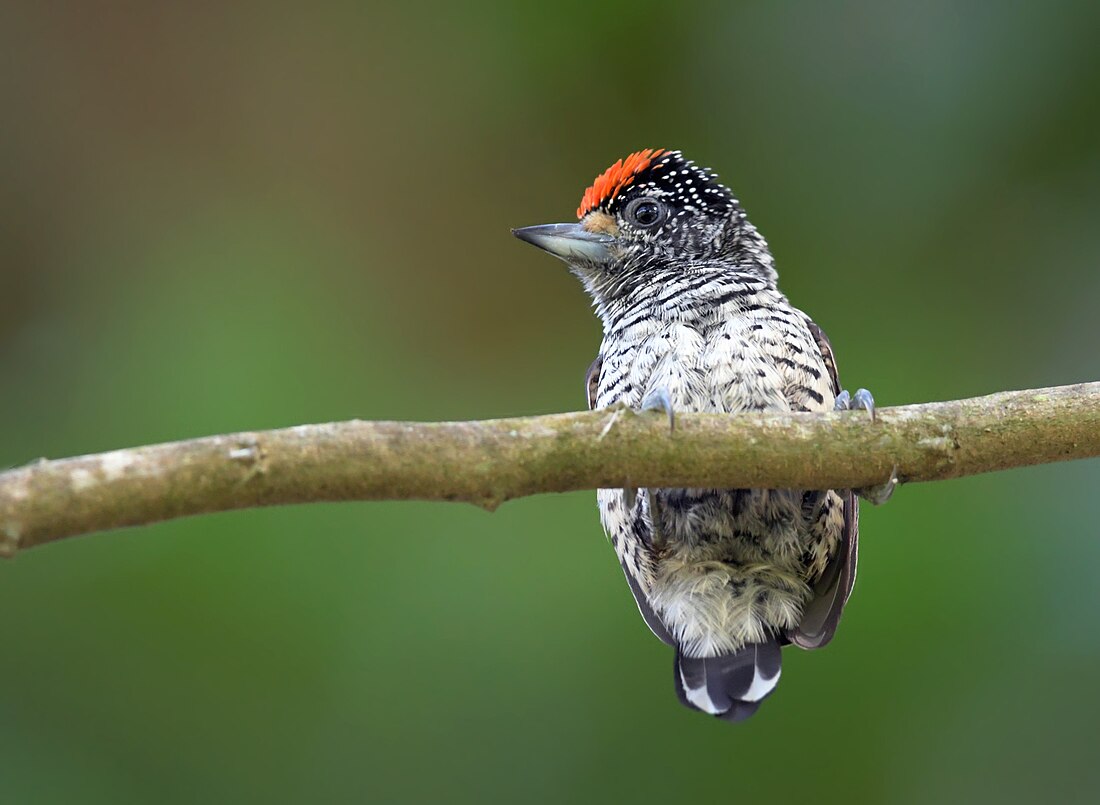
{"x": 491, "y": 461}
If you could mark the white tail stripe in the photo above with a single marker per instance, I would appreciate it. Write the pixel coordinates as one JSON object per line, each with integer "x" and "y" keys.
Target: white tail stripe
{"x": 761, "y": 686}
{"x": 699, "y": 696}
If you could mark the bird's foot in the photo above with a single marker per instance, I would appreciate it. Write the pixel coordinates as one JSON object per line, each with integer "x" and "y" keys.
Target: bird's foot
{"x": 631, "y": 502}
{"x": 656, "y": 538}
{"x": 880, "y": 493}
{"x": 863, "y": 400}
{"x": 659, "y": 399}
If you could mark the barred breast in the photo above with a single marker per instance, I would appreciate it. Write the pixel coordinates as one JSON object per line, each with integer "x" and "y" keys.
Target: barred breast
{"x": 721, "y": 568}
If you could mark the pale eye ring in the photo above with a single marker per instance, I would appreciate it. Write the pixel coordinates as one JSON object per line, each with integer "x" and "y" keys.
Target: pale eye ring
{"x": 645, "y": 212}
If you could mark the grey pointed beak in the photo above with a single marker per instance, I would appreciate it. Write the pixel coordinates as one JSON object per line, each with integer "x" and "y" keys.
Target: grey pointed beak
{"x": 570, "y": 242}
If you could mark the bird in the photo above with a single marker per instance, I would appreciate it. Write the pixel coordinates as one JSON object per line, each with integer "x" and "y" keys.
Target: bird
{"x": 693, "y": 321}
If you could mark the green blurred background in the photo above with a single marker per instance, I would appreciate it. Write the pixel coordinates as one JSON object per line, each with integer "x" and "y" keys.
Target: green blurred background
{"x": 217, "y": 217}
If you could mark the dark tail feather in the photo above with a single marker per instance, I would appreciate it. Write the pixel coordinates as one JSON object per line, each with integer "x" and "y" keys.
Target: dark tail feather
{"x": 730, "y": 687}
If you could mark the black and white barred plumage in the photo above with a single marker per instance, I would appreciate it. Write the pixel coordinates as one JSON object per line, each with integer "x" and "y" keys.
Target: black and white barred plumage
{"x": 686, "y": 289}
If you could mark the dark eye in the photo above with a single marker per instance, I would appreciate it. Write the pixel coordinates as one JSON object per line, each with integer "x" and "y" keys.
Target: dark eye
{"x": 645, "y": 212}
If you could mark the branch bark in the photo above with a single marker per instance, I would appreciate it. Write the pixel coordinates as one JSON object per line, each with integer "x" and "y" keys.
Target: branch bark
{"x": 488, "y": 462}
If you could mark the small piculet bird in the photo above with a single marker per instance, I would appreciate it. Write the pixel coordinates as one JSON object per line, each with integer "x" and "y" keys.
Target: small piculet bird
{"x": 693, "y": 321}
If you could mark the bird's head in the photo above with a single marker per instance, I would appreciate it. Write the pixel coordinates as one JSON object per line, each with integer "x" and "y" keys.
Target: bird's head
{"x": 650, "y": 214}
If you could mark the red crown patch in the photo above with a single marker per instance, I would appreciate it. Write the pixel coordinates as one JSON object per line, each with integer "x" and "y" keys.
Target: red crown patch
{"x": 613, "y": 180}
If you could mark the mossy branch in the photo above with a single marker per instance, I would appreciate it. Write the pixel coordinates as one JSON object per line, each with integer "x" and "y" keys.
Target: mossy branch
{"x": 488, "y": 462}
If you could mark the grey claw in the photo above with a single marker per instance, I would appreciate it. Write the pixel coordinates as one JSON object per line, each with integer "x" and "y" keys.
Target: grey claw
{"x": 880, "y": 493}
{"x": 630, "y": 499}
{"x": 660, "y": 400}
{"x": 862, "y": 401}
{"x": 656, "y": 539}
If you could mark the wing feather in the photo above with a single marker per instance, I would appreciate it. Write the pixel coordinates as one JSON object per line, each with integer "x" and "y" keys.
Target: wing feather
{"x": 592, "y": 381}
{"x": 822, "y": 614}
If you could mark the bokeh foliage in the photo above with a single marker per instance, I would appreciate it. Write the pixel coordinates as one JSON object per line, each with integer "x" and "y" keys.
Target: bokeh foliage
{"x": 250, "y": 215}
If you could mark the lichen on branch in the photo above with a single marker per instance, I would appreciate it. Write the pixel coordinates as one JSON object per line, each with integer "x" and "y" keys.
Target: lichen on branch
{"x": 491, "y": 461}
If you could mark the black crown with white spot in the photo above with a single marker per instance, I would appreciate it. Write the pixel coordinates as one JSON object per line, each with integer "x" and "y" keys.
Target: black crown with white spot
{"x": 685, "y": 187}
